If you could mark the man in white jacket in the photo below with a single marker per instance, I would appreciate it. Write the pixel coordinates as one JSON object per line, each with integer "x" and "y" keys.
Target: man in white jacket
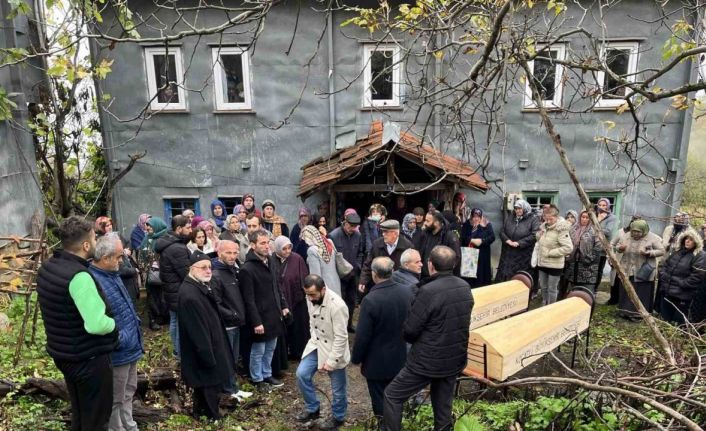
{"x": 327, "y": 351}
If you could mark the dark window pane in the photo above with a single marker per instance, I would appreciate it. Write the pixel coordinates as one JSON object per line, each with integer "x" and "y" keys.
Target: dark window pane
{"x": 381, "y": 73}
{"x": 545, "y": 74}
{"x": 232, "y": 78}
{"x": 165, "y": 73}
{"x": 179, "y": 205}
{"x": 230, "y": 203}
{"x": 617, "y": 61}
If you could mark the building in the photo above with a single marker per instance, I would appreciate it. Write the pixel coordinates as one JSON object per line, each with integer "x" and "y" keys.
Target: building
{"x": 227, "y": 129}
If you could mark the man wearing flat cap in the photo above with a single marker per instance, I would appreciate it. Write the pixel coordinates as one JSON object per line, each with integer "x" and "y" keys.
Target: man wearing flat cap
{"x": 206, "y": 357}
{"x": 391, "y": 245}
{"x": 349, "y": 241}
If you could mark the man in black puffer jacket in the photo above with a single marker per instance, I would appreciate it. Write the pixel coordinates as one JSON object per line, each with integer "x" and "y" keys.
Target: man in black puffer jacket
{"x": 173, "y": 268}
{"x": 437, "y": 328}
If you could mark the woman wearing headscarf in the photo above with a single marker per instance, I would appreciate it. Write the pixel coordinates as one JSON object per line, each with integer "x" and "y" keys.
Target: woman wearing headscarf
{"x": 614, "y": 281}
{"x": 640, "y": 251}
{"x": 582, "y": 264}
{"x": 477, "y": 232}
{"x": 231, "y": 227}
{"x": 321, "y": 258}
{"x": 409, "y": 226}
{"x": 196, "y": 220}
{"x": 290, "y": 271}
{"x": 138, "y": 232}
{"x": 272, "y": 222}
{"x": 460, "y": 209}
{"x": 218, "y": 213}
{"x": 607, "y": 221}
{"x": 295, "y": 235}
{"x": 148, "y": 261}
{"x": 518, "y": 236}
{"x": 572, "y": 217}
{"x": 210, "y": 229}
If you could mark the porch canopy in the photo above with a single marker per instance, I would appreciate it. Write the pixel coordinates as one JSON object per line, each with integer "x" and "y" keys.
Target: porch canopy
{"x": 381, "y": 147}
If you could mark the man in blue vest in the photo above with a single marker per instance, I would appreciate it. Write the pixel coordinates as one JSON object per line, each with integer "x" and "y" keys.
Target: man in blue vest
{"x": 81, "y": 332}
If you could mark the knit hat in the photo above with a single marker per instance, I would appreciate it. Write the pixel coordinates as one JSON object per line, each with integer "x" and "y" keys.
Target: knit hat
{"x": 197, "y": 256}
{"x": 268, "y": 203}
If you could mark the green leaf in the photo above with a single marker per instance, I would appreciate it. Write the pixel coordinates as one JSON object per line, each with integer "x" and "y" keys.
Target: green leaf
{"x": 6, "y": 106}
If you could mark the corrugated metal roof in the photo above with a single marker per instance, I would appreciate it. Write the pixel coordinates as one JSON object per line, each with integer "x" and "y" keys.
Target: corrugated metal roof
{"x": 348, "y": 161}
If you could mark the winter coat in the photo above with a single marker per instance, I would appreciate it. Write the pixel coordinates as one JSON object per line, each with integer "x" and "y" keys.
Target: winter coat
{"x": 698, "y": 304}
{"x": 290, "y": 276}
{"x": 208, "y": 248}
{"x": 380, "y": 249}
{"x": 554, "y": 244}
{"x": 173, "y": 265}
{"x": 230, "y": 299}
{"x": 484, "y": 272}
{"x": 263, "y": 298}
{"x": 206, "y": 356}
{"x": 670, "y": 237}
{"x": 427, "y": 240}
{"x": 407, "y": 278}
{"x": 437, "y": 326}
{"x": 370, "y": 230}
{"x": 515, "y": 259}
{"x": 325, "y": 270}
{"x": 128, "y": 274}
{"x": 299, "y": 246}
{"x": 632, "y": 258}
{"x": 136, "y": 237}
{"x": 582, "y": 264}
{"x": 379, "y": 345}
{"x": 328, "y": 324}
{"x": 350, "y": 245}
{"x": 682, "y": 273}
{"x": 125, "y": 315}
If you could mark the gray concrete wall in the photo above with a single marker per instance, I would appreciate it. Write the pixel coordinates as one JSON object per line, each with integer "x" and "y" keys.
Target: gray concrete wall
{"x": 201, "y": 152}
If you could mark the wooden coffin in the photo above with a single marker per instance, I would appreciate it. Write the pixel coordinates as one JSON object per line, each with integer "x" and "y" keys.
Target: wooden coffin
{"x": 497, "y": 301}
{"x": 516, "y": 342}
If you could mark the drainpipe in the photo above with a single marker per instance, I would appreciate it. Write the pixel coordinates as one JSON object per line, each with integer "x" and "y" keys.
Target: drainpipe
{"x": 331, "y": 86}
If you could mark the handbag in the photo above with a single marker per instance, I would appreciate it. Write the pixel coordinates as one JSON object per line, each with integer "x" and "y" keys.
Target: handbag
{"x": 469, "y": 261}
{"x": 535, "y": 255}
{"x": 153, "y": 277}
{"x": 343, "y": 267}
{"x": 645, "y": 272}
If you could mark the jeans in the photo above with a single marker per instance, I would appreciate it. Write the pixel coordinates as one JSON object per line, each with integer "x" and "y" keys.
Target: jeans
{"x": 124, "y": 387}
{"x": 90, "y": 387}
{"x": 305, "y": 376}
{"x": 234, "y": 340}
{"x": 261, "y": 360}
{"x": 174, "y": 331}
{"x": 549, "y": 285}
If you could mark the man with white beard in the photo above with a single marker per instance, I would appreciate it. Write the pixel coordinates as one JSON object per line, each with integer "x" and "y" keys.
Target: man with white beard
{"x": 206, "y": 357}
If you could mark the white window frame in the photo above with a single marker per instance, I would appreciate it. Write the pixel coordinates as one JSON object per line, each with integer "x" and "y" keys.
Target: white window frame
{"x": 368, "y": 101}
{"x": 632, "y": 70}
{"x": 220, "y": 100}
{"x": 556, "y": 102}
{"x": 155, "y": 105}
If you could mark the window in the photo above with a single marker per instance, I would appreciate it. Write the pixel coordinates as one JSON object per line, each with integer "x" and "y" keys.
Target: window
{"x": 381, "y": 76}
{"x": 165, "y": 79}
{"x": 548, "y": 75}
{"x": 175, "y": 206}
{"x": 231, "y": 71}
{"x": 621, "y": 59}
{"x": 613, "y": 197}
{"x": 230, "y": 202}
{"x": 538, "y": 199}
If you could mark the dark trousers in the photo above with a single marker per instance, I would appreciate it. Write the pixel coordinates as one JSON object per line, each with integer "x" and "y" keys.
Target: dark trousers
{"x": 407, "y": 384}
{"x": 645, "y": 292}
{"x": 206, "y": 401}
{"x": 376, "y": 388}
{"x": 90, "y": 387}
{"x": 674, "y": 310}
{"x": 601, "y": 265}
{"x": 349, "y": 292}
{"x": 156, "y": 306}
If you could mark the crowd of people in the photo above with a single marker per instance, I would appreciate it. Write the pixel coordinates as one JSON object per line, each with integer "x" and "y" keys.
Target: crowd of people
{"x": 242, "y": 293}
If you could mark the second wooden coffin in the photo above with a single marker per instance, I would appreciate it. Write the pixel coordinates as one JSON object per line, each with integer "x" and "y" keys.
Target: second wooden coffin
{"x": 494, "y": 302}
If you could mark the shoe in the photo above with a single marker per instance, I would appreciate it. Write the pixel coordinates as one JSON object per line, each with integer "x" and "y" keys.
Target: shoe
{"x": 243, "y": 395}
{"x": 351, "y": 330}
{"x": 331, "y": 423}
{"x": 154, "y": 326}
{"x": 273, "y": 382}
{"x": 306, "y": 416}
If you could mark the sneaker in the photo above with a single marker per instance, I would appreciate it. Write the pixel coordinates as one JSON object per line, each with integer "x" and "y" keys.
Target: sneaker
{"x": 243, "y": 395}
{"x": 273, "y": 382}
{"x": 331, "y": 423}
{"x": 306, "y": 416}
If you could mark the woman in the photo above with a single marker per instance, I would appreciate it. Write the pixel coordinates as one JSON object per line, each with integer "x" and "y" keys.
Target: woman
{"x": 196, "y": 220}
{"x": 242, "y": 214}
{"x": 477, "y": 232}
{"x": 640, "y": 251}
{"x": 138, "y": 232}
{"x": 295, "y": 235}
{"x": 149, "y": 263}
{"x": 681, "y": 275}
{"x": 371, "y": 225}
{"x": 271, "y": 222}
{"x": 607, "y": 222}
{"x": 518, "y": 235}
{"x": 672, "y": 232}
{"x": 231, "y": 227}
{"x": 211, "y": 235}
{"x": 291, "y": 270}
{"x": 218, "y": 213}
{"x": 582, "y": 263}
{"x": 571, "y": 217}
{"x": 553, "y": 244}
{"x": 614, "y": 281}
{"x": 409, "y": 226}
{"x": 320, "y": 256}
{"x": 199, "y": 241}
{"x": 460, "y": 209}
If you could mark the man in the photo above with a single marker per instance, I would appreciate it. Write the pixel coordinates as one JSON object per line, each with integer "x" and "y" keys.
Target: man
{"x": 80, "y": 330}
{"x": 105, "y": 269}
{"x": 348, "y": 241}
{"x": 379, "y": 344}
{"x": 206, "y": 358}
{"x": 410, "y": 270}
{"x": 391, "y": 245}
{"x": 437, "y": 328}
{"x": 326, "y": 350}
{"x": 230, "y": 304}
{"x": 173, "y": 267}
{"x": 265, "y": 307}
{"x": 252, "y": 222}
{"x": 435, "y": 233}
